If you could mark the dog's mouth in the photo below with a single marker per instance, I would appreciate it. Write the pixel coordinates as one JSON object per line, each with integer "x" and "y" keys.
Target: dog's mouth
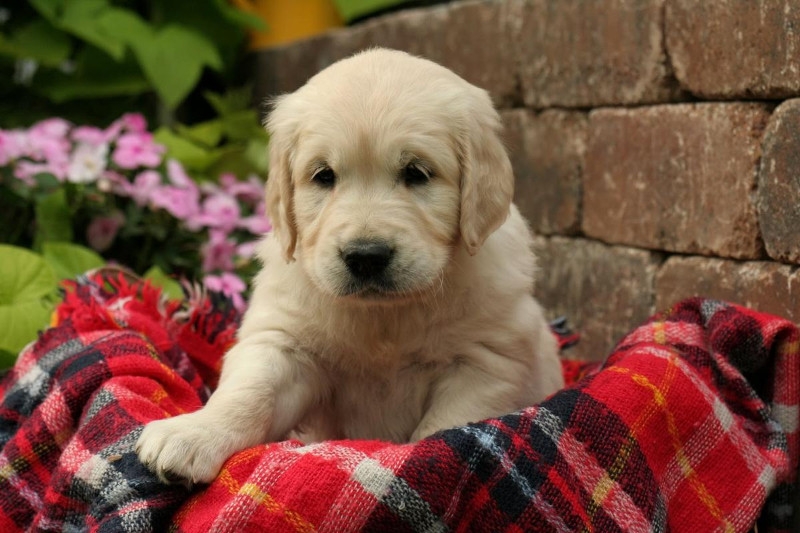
{"x": 377, "y": 291}
{"x": 372, "y": 290}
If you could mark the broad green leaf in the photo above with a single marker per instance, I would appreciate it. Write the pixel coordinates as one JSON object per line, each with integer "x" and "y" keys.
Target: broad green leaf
{"x": 231, "y": 158}
{"x": 192, "y": 155}
{"x": 173, "y": 61}
{"x": 242, "y": 125}
{"x": 70, "y": 260}
{"x": 353, "y": 9}
{"x": 49, "y": 9}
{"x": 257, "y": 155}
{"x": 26, "y": 283}
{"x": 207, "y": 19}
{"x": 64, "y": 89}
{"x": 170, "y": 287}
{"x": 240, "y": 17}
{"x": 97, "y": 75}
{"x": 41, "y": 41}
{"x": 7, "y": 359}
{"x": 46, "y": 182}
{"x": 207, "y": 133}
{"x": 126, "y": 25}
{"x": 84, "y": 18}
{"x": 53, "y": 219}
{"x": 236, "y": 99}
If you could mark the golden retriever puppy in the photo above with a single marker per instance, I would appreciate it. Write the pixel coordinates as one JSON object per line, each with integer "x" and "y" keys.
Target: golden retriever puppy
{"x": 395, "y": 295}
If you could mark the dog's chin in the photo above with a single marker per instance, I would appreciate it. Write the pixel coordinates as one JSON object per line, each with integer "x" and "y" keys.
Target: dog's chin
{"x": 375, "y": 294}
{"x": 379, "y": 292}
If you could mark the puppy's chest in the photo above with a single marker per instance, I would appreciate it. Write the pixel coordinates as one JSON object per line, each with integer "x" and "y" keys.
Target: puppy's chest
{"x": 382, "y": 405}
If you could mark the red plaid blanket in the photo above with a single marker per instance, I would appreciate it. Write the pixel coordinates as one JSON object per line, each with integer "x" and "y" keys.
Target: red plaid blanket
{"x": 691, "y": 425}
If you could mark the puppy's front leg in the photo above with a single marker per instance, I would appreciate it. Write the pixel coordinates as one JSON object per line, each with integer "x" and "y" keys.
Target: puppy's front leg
{"x": 483, "y": 385}
{"x": 264, "y": 390}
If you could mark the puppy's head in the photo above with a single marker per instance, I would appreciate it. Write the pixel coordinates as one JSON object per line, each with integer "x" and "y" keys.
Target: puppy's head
{"x": 380, "y": 166}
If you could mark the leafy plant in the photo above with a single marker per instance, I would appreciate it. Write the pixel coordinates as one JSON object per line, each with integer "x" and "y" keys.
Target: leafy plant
{"x": 65, "y": 50}
{"x": 118, "y": 194}
{"x": 233, "y": 142}
{"x": 28, "y": 290}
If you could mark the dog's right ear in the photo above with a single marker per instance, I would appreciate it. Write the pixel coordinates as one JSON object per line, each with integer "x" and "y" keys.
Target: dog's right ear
{"x": 280, "y": 189}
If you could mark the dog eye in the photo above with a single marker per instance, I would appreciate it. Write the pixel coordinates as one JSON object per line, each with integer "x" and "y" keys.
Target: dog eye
{"x": 415, "y": 175}
{"x": 324, "y": 177}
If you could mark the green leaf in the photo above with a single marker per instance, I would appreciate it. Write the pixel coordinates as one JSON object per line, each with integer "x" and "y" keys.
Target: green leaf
{"x": 237, "y": 99}
{"x": 240, "y": 17}
{"x": 125, "y": 25}
{"x": 242, "y": 125}
{"x": 96, "y": 75}
{"x": 27, "y": 284}
{"x": 257, "y": 155}
{"x": 84, "y": 19}
{"x": 170, "y": 287}
{"x": 7, "y": 359}
{"x": 46, "y": 182}
{"x": 192, "y": 155}
{"x": 352, "y": 9}
{"x": 70, "y": 260}
{"x": 49, "y": 9}
{"x": 53, "y": 219}
{"x": 207, "y": 133}
{"x": 39, "y": 40}
{"x": 173, "y": 61}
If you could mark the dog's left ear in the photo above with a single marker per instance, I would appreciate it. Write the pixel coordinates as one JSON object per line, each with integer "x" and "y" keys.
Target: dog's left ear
{"x": 280, "y": 189}
{"x": 487, "y": 179}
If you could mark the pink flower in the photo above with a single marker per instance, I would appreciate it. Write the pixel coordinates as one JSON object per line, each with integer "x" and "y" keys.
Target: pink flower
{"x": 181, "y": 199}
{"x": 88, "y": 163}
{"x": 228, "y": 284}
{"x": 89, "y": 135}
{"x": 218, "y": 252}
{"x": 27, "y": 170}
{"x": 258, "y": 223}
{"x": 129, "y": 122}
{"x": 137, "y": 149}
{"x": 250, "y": 191}
{"x": 183, "y": 204}
{"x": 177, "y": 175}
{"x": 12, "y": 145}
{"x": 247, "y": 250}
{"x": 103, "y": 230}
{"x": 134, "y": 122}
{"x": 219, "y": 211}
{"x": 47, "y": 141}
{"x": 51, "y": 127}
{"x": 144, "y": 186}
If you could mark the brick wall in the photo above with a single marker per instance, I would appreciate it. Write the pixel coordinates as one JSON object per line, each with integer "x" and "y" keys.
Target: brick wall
{"x": 656, "y": 142}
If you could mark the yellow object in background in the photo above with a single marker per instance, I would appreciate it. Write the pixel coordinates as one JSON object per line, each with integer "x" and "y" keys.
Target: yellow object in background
{"x": 289, "y": 20}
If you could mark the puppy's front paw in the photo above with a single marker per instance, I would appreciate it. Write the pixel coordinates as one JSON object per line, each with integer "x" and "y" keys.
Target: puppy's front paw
{"x": 184, "y": 448}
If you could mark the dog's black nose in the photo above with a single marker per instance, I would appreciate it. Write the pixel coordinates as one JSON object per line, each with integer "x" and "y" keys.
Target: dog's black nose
{"x": 367, "y": 259}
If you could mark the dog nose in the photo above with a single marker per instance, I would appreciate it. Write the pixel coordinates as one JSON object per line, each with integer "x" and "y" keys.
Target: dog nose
{"x": 367, "y": 259}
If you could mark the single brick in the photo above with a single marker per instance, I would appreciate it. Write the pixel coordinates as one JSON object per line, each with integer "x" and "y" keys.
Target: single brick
{"x": 478, "y": 47}
{"x": 604, "y": 291}
{"x": 584, "y": 54}
{"x": 676, "y": 177}
{"x": 779, "y": 184}
{"x": 735, "y": 49}
{"x": 547, "y": 154}
{"x": 764, "y": 286}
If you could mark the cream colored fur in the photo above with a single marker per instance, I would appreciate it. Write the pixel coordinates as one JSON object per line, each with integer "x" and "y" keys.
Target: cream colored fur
{"x": 453, "y": 337}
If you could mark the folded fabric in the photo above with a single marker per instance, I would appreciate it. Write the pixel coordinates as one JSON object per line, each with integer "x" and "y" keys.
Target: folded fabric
{"x": 690, "y": 425}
